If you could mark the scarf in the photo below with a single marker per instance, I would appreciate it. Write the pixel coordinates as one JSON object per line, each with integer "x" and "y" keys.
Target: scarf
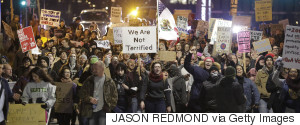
{"x": 155, "y": 78}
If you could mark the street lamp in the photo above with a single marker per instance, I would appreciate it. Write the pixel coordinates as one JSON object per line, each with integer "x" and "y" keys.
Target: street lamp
{"x": 23, "y": 3}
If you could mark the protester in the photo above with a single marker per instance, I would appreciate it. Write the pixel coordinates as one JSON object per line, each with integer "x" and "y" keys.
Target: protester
{"x": 5, "y": 97}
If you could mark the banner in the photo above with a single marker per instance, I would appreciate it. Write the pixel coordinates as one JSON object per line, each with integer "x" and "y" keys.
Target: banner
{"x": 166, "y": 26}
{"x": 244, "y": 42}
{"x": 256, "y": 35}
{"x": 233, "y": 7}
{"x": 263, "y": 10}
{"x": 182, "y": 24}
{"x": 64, "y": 97}
{"x": 275, "y": 27}
{"x": 241, "y": 21}
{"x": 223, "y": 43}
{"x": 284, "y": 23}
{"x": 50, "y": 17}
{"x": 116, "y": 14}
{"x": 219, "y": 23}
{"x": 8, "y": 30}
{"x": 30, "y": 114}
{"x": 117, "y": 35}
{"x": 262, "y": 46}
{"x": 139, "y": 39}
{"x": 291, "y": 51}
{"x": 167, "y": 55}
{"x": 103, "y": 44}
{"x": 26, "y": 39}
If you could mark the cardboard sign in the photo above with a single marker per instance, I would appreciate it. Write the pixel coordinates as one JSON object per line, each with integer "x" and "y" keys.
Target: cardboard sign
{"x": 182, "y": 24}
{"x": 167, "y": 55}
{"x": 291, "y": 49}
{"x": 26, "y": 39}
{"x": 58, "y": 33}
{"x": 284, "y": 23}
{"x": 64, "y": 97}
{"x": 50, "y": 17}
{"x": 179, "y": 12}
{"x": 103, "y": 44}
{"x": 117, "y": 35}
{"x": 139, "y": 39}
{"x": 244, "y": 42}
{"x": 116, "y": 14}
{"x": 233, "y": 7}
{"x": 241, "y": 21}
{"x": 262, "y": 46}
{"x": 30, "y": 114}
{"x": 275, "y": 27}
{"x": 256, "y": 35}
{"x": 219, "y": 23}
{"x": 8, "y": 30}
{"x": 223, "y": 43}
{"x": 263, "y": 10}
{"x": 202, "y": 26}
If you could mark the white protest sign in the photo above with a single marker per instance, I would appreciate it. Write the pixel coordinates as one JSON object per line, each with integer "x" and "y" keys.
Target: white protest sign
{"x": 50, "y": 17}
{"x": 116, "y": 14}
{"x": 182, "y": 24}
{"x": 219, "y": 23}
{"x": 103, "y": 44}
{"x": 262, "y": 46}
{"x": 256, "y": 35}
{"x": 211, "y": 25}
{"x": 223, "y": 43}
{"x": 117, "y": 35}
{"x": 139, "y": 39}
{"x": 291, "y": 52}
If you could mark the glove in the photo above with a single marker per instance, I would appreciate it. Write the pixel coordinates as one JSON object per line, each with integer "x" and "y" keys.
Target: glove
{"x": 44, "y": 106}
{"x": 24, "y": 103}
{"x": 280, "y": 65}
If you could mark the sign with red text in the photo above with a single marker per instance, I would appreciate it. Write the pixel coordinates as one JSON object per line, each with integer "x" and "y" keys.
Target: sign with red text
{"x": 50, "y": 17}
{"x": 291, "y": 49}
{"x": 26, "y": 39}
{"x": 244, "y": 42}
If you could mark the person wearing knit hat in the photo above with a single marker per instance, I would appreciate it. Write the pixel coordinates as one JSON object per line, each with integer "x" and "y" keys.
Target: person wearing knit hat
{"x": 259, "y": 63}
{"x": 230, "y": 72}
{"x": 208, "y": 62}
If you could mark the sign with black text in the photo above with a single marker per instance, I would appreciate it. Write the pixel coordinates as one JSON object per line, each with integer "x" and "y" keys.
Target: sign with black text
{"x": 103, "y": 44}
{"x": 223, "y": 42}
{"x": 244, "y": 42}
{"x": 256, "y": 35}
{"x": 64, "y": 97}
{"x": 291, "y": 49}
{"x": 117, "y": 35}
{"x": 50, "y": 17}
{"x": 182, "y": 24}
{"x": 116, "y": 14}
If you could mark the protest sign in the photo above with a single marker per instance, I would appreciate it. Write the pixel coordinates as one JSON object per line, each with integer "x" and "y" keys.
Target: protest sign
{"x": 110, "y": 35}
{"x": 219, "y": 23}
{"x": 8, "y": 30}
{"x": 284, "y": 23}
{"x": 116, "y": 14}
{"x": 202, "y": 26}
{"x": 50, "y": 17}
{"x": 179, "y": 12}
{"x": 26, "y": 39}
{"x": 262, "y": 46}
{"x": 64, "y": 97}
{"x": 244, "y": 42}
{"x": 182, "y": 24}
{"x": 241, "y": 21}
{"x": 29, "y": 114}
{"x": 139, "y": 39}
{"x": 223, "y": 43}
{"x": 103, "y": 44}
{"x": 263, "y": 10}
{"x": 256, "y": 35}
{"x": 233, "y": 7}
{"x": 291, "y": 52}
{"x": 275, "y": 27}
{"x": 211, "y": 25}
{"x": 58, "y": 33}
{"x": 117, "y": 35}
{"x": 167, "y": 55}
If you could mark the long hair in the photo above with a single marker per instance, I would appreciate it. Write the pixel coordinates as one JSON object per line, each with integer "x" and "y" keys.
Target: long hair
{"x": 41, "y": 73}
{"x": 62, "y": 72}
{"x": 244, "y": 74}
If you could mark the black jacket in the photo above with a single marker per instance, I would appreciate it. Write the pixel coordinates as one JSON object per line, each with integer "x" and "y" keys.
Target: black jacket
{"x": 8, "y": 96}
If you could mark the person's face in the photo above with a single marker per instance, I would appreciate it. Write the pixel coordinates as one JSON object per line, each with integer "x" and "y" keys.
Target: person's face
{"x": 8, "y": 70}
{"x": 165, "y": 74}
{"x": 178, "y": 54}
{"x": 187, "y": 47}
{"x": 39, "y": 43}
{"x": 47, "y": 33}
{"x": 35, "y": 56}
{"x": 35, "y": 77}
{"x": 275, "y": 58}
{"x": 234, "y": 59}
{"x": 198, "y": 46}
{"x": 162, "y": 47}
{"x": 275, "y": 50}
{"x": 97, "y": 70}
{"x": 261, "y": 62}
{"x": 247, "y": 61}
{"x": 109, "y": 53}
{"x": 63, "y": 56}
{"x": 51, "y": 59}
{"x": 115, "y": 60}
{"x": 178, "y": 47}
{"x": 269, "y": 63}
{"x": 62, "y": 23}
{"x": 120, "y": 72}
{"x": 50, "y": 44}
{"x": 181, "y": 61}
{"x": 239, "y": 55}
{"x": 93, "y": 35}
{"x": 27, "y": 63}
{"x": 44, "y": 63}
{"x": 293, "y": 74}
{"x": 239, "y": 71}
{"x": 64, "y": 43}
{"x": 17, "y": 19}
{"x": 126, "y": 56}
{"x": 73, "y": 57}
{"x": 73, "y": 50}
{"x": 82, "y": 60}
{"x": 157, "y": 69}
{"x": 53, "y": 50}
{"x": 131, "y": 65}
{"x": 208, "y": 63}
{"x": 67, "y": 74}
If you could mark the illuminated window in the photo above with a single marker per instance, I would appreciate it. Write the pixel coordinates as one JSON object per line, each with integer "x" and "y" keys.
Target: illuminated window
{"x": 193, "y": 2}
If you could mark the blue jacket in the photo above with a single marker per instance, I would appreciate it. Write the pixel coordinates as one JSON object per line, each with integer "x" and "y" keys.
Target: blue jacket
{"x": 287, "y": 100}
{"x": 7, "y": 95}
{"x": 200, "y": 75}
{"x": 249, "y": 88}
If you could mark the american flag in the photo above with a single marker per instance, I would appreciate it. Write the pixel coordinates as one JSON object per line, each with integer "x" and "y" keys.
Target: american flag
{"x": 161, "y": 7}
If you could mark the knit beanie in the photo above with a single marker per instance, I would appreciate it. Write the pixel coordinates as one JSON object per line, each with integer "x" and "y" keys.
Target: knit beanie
{"x": 213, "y": 68}
{"x": 268, "y": 56}
{"x": 230, "y": 72}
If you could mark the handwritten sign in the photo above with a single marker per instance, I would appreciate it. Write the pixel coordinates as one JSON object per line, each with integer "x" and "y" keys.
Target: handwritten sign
{"x": 30, "y": 114}
{"x": 8, "y": 30}
{"x": 219, "y": 23}
{"x": 116, "y": 14}
{"x": 182, "y": 24}
{"x": 139, "y": 39}
{"x": 262, "y": 46}
{"x": 263, "y": 10}
{"x": 244, "y": 42}
{"x": 167, "y": 55}
{"x": 103, "y": 44}
{"x": 64, "y": 97}
{"x": 223, "y": 43}
{"x": 50, "y": 17}
{"x": 117, "y": 35}
{"x": 256, "y": 35}
{"x": 291, "y": 52}
{"x": 26, "y": 39}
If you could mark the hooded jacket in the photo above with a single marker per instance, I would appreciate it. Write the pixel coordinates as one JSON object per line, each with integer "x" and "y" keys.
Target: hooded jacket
{"x": 261, "y": 82}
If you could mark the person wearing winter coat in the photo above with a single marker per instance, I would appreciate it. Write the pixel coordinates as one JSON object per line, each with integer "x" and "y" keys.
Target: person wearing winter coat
{"x": 178, "y": 90}
{"x": 6, "y": 96}
{"x": 199, "y": 75}
{"x": 230, "y": 97}
{"x": 250, "y": 90}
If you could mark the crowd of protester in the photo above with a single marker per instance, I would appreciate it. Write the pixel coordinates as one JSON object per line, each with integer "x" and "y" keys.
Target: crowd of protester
{"x": 196, "y": 82}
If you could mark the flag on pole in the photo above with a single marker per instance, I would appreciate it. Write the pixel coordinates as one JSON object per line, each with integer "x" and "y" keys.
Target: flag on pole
{"x": 166, "y": 23}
